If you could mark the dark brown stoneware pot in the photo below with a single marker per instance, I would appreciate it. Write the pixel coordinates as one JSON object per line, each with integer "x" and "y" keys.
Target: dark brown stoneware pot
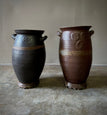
{"x": 75, "y": 54}
{"x": 28, "y": 56}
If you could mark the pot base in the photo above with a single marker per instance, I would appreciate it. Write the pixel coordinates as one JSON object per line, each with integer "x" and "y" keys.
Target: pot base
{"x": 75, "y": 86}
{"x": 28, "y": 85}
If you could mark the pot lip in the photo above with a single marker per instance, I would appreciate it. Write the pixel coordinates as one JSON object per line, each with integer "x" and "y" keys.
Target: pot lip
{"x": 28, "y": 31}
{"x": 75, "y": 28}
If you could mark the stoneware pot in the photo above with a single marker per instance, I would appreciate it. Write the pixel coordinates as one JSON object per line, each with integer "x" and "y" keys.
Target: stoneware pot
{"x": 28, "y": 56}
{"x": 75, "y": 54}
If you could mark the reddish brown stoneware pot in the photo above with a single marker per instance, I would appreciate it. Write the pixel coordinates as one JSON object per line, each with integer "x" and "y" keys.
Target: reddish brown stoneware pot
{"x": 75, "y": 54}
{"x": 28, "y": 56}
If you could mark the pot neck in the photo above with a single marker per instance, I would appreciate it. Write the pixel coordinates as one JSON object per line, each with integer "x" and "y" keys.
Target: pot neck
{"x": 84, "y": 28}
{"x": 37, "y": 32}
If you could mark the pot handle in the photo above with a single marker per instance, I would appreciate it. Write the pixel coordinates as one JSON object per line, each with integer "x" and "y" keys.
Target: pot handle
{"x": 59, "y": 33}
{"x": 44, "y": 38}
{"x": 91, "y": 32}
{"x": 14, "y": 36}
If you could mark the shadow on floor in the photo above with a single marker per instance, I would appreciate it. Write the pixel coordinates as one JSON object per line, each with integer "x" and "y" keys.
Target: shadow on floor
{"x": 58, "y": 81}
{"x": 53, "y": 81}
{"x": 97, "y": 82}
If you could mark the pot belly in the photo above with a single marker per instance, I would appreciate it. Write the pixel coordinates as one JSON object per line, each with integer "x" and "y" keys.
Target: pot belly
{"x": 28, "y": 64}
{"x": 75, "y": 65}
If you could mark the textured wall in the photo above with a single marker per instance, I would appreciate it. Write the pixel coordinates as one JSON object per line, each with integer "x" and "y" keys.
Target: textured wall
{"x": 51, "y": 15}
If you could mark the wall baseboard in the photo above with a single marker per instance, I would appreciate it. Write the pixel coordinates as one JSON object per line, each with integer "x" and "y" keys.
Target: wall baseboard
{"x": 10, "y": 64}
{"x": 5, "y": 64}
{"x": 52, "y": 64}
{"x": 99, "y": 64}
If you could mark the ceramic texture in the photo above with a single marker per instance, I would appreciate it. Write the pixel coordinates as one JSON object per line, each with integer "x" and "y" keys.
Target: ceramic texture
{"x": 75, "y": 54}
{"x": 28, "y": 56}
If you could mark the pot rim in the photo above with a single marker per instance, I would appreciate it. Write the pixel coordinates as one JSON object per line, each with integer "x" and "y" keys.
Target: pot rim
{"x": 28, "y": 31}
{"x": 75, "y": 28}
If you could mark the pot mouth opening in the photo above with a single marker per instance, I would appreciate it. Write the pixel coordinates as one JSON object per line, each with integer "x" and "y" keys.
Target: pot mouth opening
{"x": 27, "y": 31}
{"x": 76, "y": 28}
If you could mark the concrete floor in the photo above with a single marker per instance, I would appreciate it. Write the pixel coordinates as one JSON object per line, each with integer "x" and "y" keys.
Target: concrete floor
{"x": 51, "y": 97}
